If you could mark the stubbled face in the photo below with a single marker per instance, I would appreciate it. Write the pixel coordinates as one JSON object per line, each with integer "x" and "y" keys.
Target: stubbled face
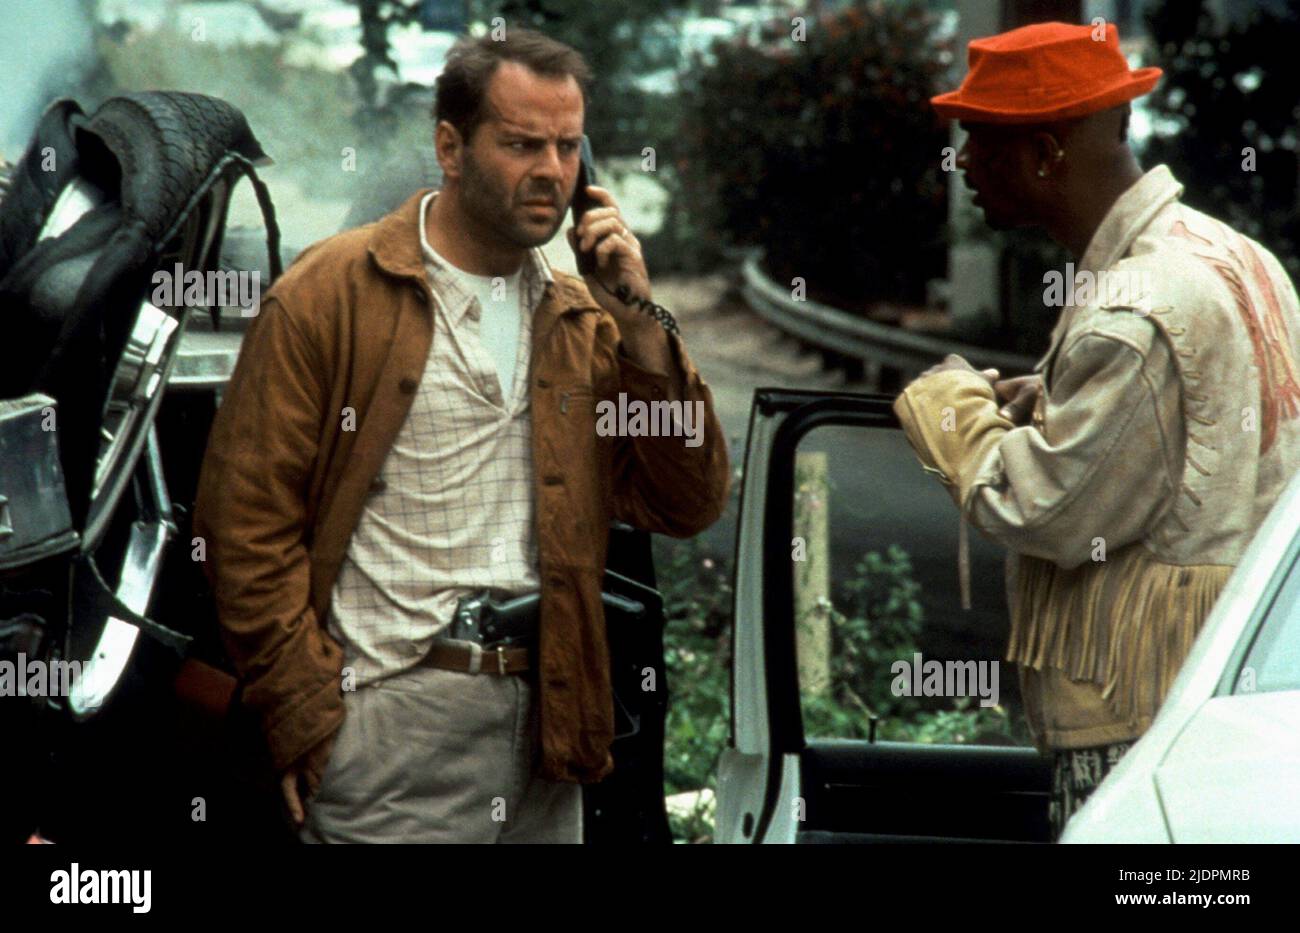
{"x": 998, "y": 163}
{"x": 520, "y": 166}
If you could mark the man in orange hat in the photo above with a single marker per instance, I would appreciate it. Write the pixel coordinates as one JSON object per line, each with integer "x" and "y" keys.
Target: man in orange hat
{"x": 1126, "y": 476}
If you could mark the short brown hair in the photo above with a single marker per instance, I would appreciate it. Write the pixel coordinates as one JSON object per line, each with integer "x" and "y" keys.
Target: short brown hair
{"x": 471, "y": 63}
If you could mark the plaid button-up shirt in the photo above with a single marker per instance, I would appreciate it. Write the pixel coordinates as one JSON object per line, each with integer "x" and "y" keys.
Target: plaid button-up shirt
{"x": 453, "y": 509}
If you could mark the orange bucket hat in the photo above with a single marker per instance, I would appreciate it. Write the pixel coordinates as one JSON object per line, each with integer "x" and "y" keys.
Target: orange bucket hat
{"x": 1044, "y": 72}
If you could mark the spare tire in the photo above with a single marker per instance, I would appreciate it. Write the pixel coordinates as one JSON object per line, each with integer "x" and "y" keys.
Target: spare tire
{"x": 71, "y": 300}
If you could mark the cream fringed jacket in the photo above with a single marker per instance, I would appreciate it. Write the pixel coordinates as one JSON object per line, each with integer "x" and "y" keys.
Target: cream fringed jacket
{"x": 1167, "y": 429}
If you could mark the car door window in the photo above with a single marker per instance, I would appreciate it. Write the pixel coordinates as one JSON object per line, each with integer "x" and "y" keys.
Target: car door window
{"x": 1273, "y": 662}
{"x": 881, "y": 637}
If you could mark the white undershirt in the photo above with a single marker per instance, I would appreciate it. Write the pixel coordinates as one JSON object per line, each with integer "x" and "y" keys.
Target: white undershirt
{"x": 499, "y": 327}
{"x": 500, "y": 301}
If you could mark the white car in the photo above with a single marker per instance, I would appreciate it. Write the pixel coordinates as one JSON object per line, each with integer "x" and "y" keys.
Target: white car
{"x": 1220, "y": 762}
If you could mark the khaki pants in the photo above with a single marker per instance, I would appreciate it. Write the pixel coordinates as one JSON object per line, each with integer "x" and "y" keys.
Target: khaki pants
{"x": 439, "y": 756}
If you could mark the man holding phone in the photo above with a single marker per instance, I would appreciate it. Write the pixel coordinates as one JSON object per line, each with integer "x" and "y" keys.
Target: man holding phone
{"x": 412, "y": 422}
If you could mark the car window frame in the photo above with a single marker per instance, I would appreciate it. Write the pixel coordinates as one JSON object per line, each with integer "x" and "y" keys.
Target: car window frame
{"x": 1284, "y": 578}
{"x": 1271, "y": 624}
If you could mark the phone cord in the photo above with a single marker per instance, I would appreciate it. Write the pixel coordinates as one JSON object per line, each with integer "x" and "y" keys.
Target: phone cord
{"x": 656, "y": 311}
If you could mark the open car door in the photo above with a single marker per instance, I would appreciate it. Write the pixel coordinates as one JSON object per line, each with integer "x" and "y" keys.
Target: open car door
{"x": 846, "y": 568}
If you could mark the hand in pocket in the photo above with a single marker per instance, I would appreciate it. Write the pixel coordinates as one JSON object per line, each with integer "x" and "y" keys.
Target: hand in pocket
{"x": 302, "y": 779}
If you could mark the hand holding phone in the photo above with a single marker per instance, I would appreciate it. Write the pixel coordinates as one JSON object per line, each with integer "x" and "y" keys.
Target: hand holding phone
{"x": 582, "y": 202}
{"x": 625, "y": 292}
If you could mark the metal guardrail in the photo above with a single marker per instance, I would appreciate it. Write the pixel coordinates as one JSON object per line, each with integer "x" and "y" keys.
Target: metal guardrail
{"x": 831, "y": 329}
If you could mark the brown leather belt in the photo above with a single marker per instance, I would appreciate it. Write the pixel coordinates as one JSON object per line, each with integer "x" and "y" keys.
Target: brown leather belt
{"x": 474, "y": 659}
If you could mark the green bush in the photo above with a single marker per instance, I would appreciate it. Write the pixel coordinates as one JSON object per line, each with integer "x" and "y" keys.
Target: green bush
{"x": 613, "y": 39}
{"x": 824, "y": 152}
{"x": 1228, "y": 86}
{"x": 876, "y": 620}
{"x": 697, "y": 644}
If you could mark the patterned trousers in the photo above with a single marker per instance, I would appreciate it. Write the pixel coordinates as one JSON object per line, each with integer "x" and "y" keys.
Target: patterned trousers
{"x": 1079, "y": 772}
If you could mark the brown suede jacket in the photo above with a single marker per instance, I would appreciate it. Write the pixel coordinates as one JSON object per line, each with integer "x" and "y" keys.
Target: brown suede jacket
{"x": 348, "y": 329}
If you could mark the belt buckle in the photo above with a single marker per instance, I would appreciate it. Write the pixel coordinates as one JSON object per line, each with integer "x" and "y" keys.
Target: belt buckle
{"x": 501, "y": 659}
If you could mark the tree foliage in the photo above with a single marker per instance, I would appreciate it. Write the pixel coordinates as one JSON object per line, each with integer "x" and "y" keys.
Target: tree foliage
{"x": 823, "y": 150}
{"x": 1229, "y": 94}
{"x": 611, "y": 36}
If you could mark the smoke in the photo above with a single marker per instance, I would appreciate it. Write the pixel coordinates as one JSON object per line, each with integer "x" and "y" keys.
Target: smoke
{"x": 45, "y": 49}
